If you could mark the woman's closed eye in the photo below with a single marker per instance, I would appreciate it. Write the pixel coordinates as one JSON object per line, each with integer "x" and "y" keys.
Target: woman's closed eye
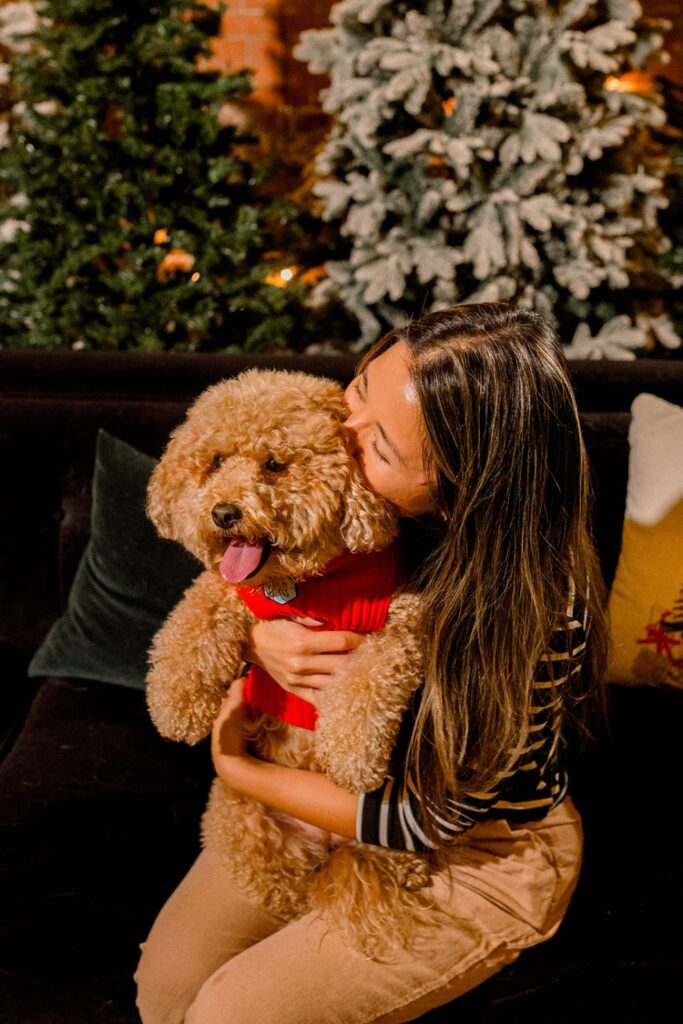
{"x": 373, "y": 444}
{"x": 378, "y": 452}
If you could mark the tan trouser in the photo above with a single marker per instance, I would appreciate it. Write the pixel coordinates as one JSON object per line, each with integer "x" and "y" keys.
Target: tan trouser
{"x": 212, "y": 956}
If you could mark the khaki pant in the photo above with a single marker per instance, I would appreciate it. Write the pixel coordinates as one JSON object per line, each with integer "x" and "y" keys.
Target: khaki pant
{"x": 212, "y": 956}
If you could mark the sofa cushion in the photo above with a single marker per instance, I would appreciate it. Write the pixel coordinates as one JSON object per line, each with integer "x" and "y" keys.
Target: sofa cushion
{"x": 127, "y": 582}
{"x": 646, "y": 599}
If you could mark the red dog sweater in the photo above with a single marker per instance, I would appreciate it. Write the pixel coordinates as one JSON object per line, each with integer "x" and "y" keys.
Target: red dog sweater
{"x": 353, "y": 593}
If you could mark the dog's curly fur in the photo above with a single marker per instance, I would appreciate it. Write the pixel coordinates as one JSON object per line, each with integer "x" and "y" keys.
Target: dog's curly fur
{"x": 310, "y": 511}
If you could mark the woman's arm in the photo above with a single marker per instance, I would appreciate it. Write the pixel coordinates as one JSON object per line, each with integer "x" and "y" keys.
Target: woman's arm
{"x": 306, "y": 795}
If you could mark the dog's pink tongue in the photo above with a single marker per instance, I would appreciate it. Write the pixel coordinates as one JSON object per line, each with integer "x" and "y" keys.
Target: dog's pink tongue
{"x": 240, "y": 560}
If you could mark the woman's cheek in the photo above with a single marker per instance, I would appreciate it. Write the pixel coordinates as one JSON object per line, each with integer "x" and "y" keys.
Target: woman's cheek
{"x": 366, "y": 467}
{"x": 379, "y": 479}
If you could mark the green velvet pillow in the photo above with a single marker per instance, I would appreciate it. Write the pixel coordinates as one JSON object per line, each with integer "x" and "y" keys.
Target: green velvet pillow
{"x": 127, "y": 581}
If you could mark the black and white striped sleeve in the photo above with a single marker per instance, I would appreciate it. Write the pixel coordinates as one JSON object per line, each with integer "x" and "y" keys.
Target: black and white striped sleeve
{"x": 393, "y": 815}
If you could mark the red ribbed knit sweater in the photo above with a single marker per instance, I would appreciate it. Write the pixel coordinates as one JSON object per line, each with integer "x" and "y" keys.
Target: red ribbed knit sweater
{"x": 353, "y": 593}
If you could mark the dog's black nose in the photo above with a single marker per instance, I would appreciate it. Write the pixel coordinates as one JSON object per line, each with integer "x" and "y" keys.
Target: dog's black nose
{"x": 225, "y": 514}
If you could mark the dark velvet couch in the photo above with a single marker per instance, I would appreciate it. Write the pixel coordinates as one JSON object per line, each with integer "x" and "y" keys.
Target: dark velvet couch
{"x": 99, "y": 815}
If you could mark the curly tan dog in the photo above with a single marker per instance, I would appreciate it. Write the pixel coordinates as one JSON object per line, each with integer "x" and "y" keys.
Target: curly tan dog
{"x": 259, "y": 485}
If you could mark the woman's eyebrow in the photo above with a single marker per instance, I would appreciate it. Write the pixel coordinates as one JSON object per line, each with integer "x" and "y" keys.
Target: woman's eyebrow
{"x": 387, "y": 440}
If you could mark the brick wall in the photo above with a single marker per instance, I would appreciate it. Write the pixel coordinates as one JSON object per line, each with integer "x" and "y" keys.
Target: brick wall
{"x": 261, "y": 34}
{"x": 673, "y": 10}
{"x": 284, "y": 108}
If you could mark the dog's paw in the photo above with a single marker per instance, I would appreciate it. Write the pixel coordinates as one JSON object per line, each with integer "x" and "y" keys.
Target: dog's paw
{"x": 412, "y": 872}
{"x": 186, "y": 717}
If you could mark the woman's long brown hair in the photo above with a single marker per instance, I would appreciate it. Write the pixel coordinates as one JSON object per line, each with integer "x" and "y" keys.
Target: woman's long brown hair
{"x": 502, "y": 441}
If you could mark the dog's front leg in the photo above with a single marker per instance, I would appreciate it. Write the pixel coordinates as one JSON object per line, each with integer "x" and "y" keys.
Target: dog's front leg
{"x": 197, "y": 651}
{"x": 360, "y": 714}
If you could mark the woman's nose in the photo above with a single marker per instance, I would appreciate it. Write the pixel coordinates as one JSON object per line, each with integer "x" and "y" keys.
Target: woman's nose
{"x": 353, "y": 420}
{"x": 348, "y": 430}
{"x": 353, "y": 424}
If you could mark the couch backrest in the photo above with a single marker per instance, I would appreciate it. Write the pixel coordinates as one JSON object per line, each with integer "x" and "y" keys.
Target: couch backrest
{"x": 52, "y": 405}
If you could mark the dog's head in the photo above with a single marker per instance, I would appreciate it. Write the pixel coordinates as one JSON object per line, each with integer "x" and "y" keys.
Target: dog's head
{"x": 259, "y": 482}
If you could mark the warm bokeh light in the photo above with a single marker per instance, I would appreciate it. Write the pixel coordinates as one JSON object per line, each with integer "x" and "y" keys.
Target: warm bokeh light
{"x": 280, "y": 278}
{"x": 633, "y": 81}
{"x": 313, "y": 275}
{"x": 160, "y": 236}
{"x": 176, "y": 259}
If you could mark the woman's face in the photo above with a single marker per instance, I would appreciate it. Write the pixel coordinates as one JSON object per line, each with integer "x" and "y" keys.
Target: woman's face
{"x": 385, "y": 424}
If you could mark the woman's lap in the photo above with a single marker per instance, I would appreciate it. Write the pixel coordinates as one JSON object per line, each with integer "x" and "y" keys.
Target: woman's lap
{"x": 229, "y": 962}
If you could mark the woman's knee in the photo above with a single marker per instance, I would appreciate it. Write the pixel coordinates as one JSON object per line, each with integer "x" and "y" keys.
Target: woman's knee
{"x": 163, "y": 992}
{"x": 225, "y": 999}
{"x": 203, "y": 924}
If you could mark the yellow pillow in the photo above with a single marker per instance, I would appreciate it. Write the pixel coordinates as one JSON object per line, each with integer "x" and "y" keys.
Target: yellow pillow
{"x": 645, "y": 606}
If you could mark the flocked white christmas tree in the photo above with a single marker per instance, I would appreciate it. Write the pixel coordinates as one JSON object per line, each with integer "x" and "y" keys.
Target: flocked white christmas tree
{"x": 490, "y": 150}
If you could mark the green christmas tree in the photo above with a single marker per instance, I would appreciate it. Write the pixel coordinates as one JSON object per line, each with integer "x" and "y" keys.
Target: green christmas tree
{"x": 483, "y": 150}
{"x": 15, "y": 19}
{"x": 143, "y": 224}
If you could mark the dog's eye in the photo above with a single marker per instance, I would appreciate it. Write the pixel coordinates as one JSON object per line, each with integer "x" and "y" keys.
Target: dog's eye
{"x": 273, "y": 466}
{"x": 217, "y": 461}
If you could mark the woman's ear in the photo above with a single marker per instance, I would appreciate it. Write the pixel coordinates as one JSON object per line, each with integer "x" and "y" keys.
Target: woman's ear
{"x": 369, "y": 523}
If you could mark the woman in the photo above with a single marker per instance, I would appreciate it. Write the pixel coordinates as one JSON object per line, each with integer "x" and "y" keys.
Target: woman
{"x": 466, "y": 420}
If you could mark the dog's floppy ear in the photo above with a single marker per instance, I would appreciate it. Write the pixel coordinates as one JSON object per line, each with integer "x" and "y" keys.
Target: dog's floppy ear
{"x": 162, "y": 491}
{"x": 368, "y": 523}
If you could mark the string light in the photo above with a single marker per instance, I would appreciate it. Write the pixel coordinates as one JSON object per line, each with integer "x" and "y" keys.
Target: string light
{"x": 176, "y": 259}
{"x": 281, "y": 278}
{"x": 633, "y": 81}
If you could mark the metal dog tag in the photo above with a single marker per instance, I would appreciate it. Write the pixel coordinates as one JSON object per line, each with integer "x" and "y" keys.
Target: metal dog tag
{"x": 282, "y": 592}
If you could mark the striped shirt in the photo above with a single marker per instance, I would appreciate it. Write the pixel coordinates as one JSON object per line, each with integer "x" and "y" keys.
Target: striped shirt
{"x": 391, "y": 815}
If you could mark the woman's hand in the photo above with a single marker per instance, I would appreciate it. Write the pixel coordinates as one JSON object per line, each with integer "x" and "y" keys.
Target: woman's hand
{"x": 309, "y": 796}
{"x": 303, "y": 661}
{"x": 228, "y": 739}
